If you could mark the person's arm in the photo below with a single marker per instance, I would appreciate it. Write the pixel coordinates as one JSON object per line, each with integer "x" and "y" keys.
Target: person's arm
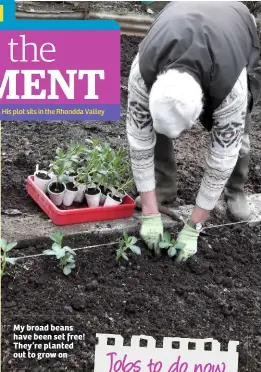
{"x": 222, "y": 154}
{"x": 142, "y": 139}
{"x": 199, "y": 215}
{"x": 149, "y": 203}
{"x": 221, "y": 158}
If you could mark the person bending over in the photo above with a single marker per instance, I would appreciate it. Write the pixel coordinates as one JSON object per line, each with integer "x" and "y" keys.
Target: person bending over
{"x": 199, "y": 61}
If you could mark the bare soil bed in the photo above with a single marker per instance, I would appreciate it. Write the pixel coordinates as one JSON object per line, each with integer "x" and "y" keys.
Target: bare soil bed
{"x": 217, "y": 294}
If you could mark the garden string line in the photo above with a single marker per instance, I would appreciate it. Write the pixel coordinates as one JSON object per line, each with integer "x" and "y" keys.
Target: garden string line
{"x": 75, "y": 249}
{"x": 230, "y": 224}
{"x": 117, "y": 242}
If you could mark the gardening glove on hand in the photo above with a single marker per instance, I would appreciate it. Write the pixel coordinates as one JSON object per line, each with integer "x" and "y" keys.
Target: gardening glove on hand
{"x": 151, "y": 231}
{"x": 187, "y": 243}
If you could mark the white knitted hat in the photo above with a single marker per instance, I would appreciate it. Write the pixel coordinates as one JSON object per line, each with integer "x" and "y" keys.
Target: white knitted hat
{"x": 175, "y": 102}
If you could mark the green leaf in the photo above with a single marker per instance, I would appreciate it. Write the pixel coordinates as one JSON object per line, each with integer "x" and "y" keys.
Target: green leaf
{"x": 126, "y": 236}
{"x": 59, "y": 252}
{"x": 135, "y": 249}
{"x": 57, "y": 237}
{"x": 64, "y": 179}
{"x": 166, "y": 237}
{"x": 11, "y": 260}
{"x": 70, "y": 258}
{"x": 123, "y": 255}
{"x": 67, "y": 270}
{"x": 172, "y": 252}
{"x": 71, "y": 265}
{"x": 132, "y": 240}
{"x": 3, "y": 244}
{"x": 119, "y": 252}
{"x": 164, "y": 245}
{"x": 68, "y": 249}
{"x": 10, "y": 246}
{"x": 180, "y": 245}
{"x": 59, "y": 152}
{"x": 56, "y": 247}
{"x": 49, "y": 252}
{"x": 121, "y": 244}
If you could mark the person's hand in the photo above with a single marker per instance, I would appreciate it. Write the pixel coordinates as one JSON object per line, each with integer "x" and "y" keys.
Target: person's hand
{"x": 187, "y": 243}
{"x": 151, "y": 231}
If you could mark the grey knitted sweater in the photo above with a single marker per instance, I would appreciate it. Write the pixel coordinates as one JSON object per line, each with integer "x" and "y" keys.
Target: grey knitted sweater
{"x": 227, "y": 138}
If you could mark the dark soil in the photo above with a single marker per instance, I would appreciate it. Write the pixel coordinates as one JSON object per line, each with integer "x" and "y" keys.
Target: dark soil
{"x": 70, "y": 186}
{"x": 103, "y": 191}
{"x": 56, "y": 188}
{"x": 217, "y": 294}
{"x": 25, "y": 144}
{"x": 92, "y": 191}
{"x": 43, "y": 176}
{"x": 115, "y": 197}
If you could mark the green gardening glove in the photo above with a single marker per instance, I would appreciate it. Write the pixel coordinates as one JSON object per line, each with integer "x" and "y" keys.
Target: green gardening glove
{"x": 151, "y": 231}
{"x": 187, "y": 243}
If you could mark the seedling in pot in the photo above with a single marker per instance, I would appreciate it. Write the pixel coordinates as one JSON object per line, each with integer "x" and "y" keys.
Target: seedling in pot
{"x": 112, "y": 174}
{"x": 58, "y": 167}
{"x": 70, "y": 194}
{"x": 81, "y": 187}
{"x": 113, "y": 180}
{"x": 5, "y": 249}
{"x": 118, "y": 191}
{"x": 75, "y": 154}
{"x": 121, "y": 188}
{"x": 122, "y": 174}
{"x": 112, "y": 199}
{"x": 43, "y": 175}
{"x": 41, "y": 178}
{"x": 119, "y": 178}
{"x": 88, "y": 175}
{"x": 103, "y": 184}
{"x": 70, "y": 174}
{"x": 127, "y": 243}
{"x": 82, "y": 177}
{"x": 64, "y": 254}
{"x": 93, "y": 196}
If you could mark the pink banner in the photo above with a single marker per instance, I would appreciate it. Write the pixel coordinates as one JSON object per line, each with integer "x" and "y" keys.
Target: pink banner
{"x": 60, "y": 67}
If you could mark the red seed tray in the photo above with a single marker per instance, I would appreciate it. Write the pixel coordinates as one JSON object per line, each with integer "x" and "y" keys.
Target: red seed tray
{"x": 72, "y": 215}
